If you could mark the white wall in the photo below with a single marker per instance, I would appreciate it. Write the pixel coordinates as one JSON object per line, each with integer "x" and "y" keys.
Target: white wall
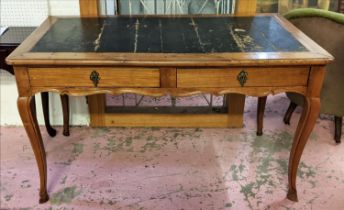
{"x": 32, "y": 13}
{"x": 23, "y": 12}
{"x": 64, "y": 7}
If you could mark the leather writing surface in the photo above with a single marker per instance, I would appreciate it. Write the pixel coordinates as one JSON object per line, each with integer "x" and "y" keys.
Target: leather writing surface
{"x": 168, "y": 35}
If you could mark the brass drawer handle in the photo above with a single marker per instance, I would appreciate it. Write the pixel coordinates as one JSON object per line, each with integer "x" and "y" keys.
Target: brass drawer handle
{"x": 94, "y": 77}
{"x": 242, "y": 77}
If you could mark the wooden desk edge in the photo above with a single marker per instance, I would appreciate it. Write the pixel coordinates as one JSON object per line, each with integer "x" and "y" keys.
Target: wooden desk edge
{"x": 22, "y": 55}
{"x": 31, "y": 40}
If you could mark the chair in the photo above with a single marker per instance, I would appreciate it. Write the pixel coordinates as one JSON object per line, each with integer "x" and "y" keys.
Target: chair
{"x": 327, "y": 29}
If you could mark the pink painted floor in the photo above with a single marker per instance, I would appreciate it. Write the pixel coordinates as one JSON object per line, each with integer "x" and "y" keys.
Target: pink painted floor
{"x": 172, "y": 168}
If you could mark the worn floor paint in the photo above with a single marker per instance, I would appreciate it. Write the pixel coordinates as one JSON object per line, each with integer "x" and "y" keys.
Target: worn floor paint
{"x": 170, "y": 168}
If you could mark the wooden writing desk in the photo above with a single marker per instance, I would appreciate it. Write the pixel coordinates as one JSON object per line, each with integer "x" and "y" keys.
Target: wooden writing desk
{"x": 179, "y": 56}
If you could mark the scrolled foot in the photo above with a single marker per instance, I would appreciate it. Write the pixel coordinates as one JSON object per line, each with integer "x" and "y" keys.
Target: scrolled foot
{"x": 292, "y": 195}
{"x": 43, "y": 198}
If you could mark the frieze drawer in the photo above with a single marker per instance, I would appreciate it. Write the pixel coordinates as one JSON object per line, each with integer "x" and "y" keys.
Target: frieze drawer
{"x": 95, "y": 77}
{"x": 242, "y": 77}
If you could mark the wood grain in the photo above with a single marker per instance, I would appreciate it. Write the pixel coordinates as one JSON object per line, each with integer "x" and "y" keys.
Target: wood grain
{"x": 26, "y": 109}
{"x": 310, "y": 113}
{"x": 236, "y": 104}
{"x": 170, "y": 60}
{"x": 23, "y": 81}
{"x": 170, "y": 120}
{"x": 96, "y": 105}
{"x": 168, "y": 77}
{"x": 109, "y": 77}
{"x": 215, "y": 77}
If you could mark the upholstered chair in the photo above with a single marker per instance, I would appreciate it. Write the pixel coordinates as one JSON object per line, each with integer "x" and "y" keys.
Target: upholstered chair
{"x": 327, "y": 29}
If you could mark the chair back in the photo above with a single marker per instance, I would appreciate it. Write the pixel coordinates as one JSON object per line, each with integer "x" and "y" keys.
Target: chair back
{"x": 327, "y": 29}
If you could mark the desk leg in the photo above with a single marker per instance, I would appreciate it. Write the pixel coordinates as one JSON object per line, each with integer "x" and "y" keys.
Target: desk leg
{"x": 65, "y": 108}
{"x": 45, "y": 106}
{"x": 26, "y": 106}
{"x": 308, "y": 118}
{"x": 260, "y": 114}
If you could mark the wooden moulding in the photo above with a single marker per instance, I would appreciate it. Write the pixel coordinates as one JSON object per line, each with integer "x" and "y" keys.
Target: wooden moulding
{"x": 157, "y": 92}
{"x": 172, "y": 59}
{"x": 234, "y": 118}
{"x": 171, "y": 120}
{"x": 315, "y": 56}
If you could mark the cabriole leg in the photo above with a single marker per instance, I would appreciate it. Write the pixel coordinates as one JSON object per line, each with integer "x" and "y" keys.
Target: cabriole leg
{"x": 26, "y": 107}
{"x": 308, "y": 118}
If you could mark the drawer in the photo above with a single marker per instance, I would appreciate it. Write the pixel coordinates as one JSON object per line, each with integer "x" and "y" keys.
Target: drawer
{"x": 215, "y": 77}
{"x": 108, "y": 77}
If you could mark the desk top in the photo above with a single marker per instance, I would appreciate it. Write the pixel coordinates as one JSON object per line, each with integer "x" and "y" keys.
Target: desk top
{"x": 168, "y": 35}
{"x": 168, "y": 41}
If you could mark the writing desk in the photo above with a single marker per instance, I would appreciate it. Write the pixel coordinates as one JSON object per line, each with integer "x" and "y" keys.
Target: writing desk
{"x": 178, "y": 56}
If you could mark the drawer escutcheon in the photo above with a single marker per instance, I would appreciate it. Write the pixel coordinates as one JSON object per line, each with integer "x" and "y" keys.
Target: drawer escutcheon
{"x": 242, "y": 77}
{"x": 94, "y": 77}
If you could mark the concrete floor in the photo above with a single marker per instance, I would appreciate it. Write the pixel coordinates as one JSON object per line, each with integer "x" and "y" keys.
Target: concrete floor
{"x": 172, "y": 168}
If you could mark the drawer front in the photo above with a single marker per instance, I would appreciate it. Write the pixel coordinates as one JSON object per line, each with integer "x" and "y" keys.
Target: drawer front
{"x": 296, "y": 76}
{"x": 107, "y": 77}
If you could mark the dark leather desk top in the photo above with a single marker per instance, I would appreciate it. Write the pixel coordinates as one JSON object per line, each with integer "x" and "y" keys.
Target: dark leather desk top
{"x": 168, "y": 35}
